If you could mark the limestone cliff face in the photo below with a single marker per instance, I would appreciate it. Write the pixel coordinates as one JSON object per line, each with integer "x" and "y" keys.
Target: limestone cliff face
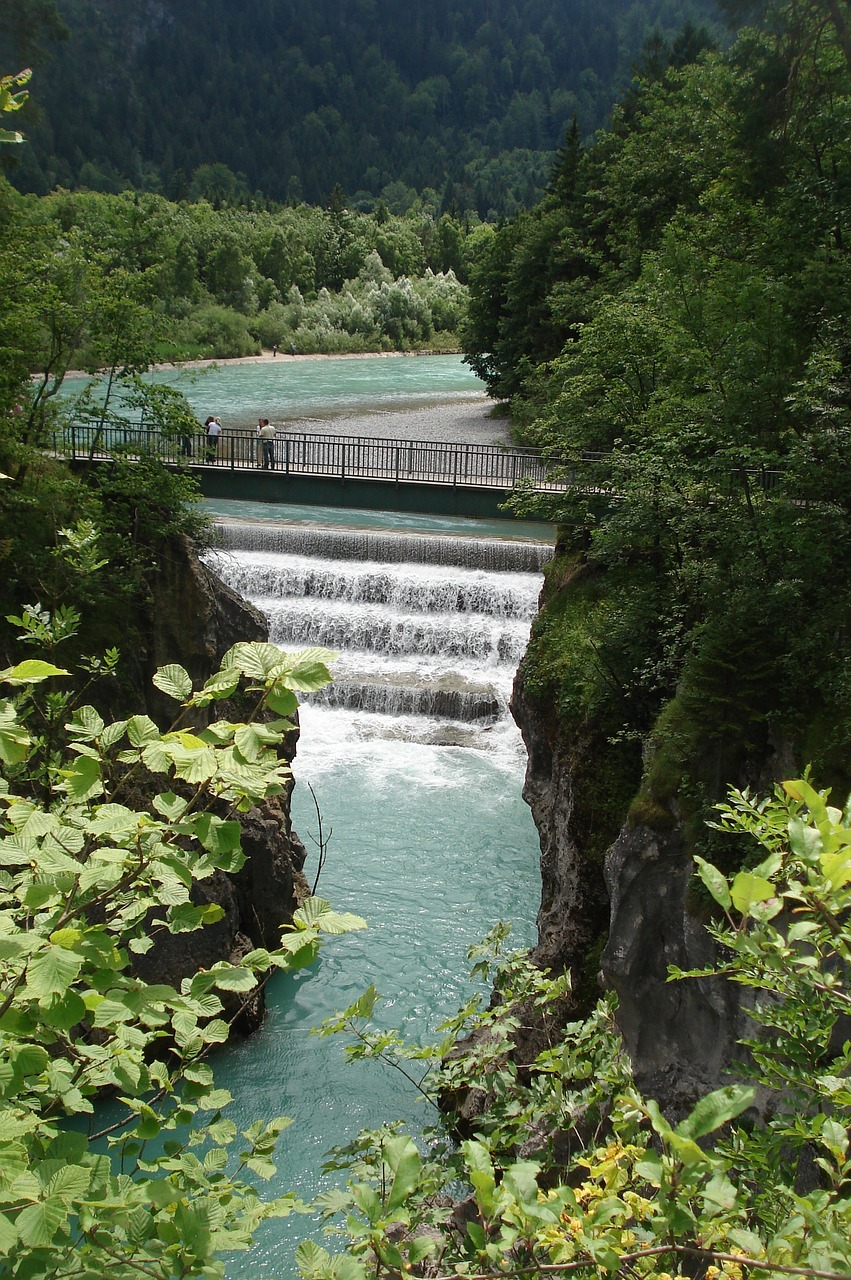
{"x": 679, "y": 1035}
{"x": 194, "y": 619}
{"x": 618, "y": 903}
{"x": 574, "y": 901}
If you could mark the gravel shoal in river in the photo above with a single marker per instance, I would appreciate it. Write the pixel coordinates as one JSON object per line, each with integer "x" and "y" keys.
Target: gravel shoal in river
{"x": 465, "y": 423}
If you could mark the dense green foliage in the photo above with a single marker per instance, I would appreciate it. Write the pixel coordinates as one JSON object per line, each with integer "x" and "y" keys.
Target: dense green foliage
{"x": 207, "y": 98}
{"x": 570, "y": 1169}
{"x": 679, "y": 303}
{"x": 175, "y": 281}
{"x": 106, "y": 829}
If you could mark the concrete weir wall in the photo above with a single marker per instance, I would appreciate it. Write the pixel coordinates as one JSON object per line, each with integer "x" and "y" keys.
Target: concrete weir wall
{"x": 369, "y": 495}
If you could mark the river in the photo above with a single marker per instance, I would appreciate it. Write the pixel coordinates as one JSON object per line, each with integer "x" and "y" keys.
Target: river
{"x": 417, "y": 769}
{"x": 316, "y": 390}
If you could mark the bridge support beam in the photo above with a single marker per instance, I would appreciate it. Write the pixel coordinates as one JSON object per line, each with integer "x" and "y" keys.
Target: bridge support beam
{"x": 370, "y": 495}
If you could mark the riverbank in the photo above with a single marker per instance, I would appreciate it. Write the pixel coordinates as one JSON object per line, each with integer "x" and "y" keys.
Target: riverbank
{"x": 285, "y": 358}
{"x": 458, "y": 422}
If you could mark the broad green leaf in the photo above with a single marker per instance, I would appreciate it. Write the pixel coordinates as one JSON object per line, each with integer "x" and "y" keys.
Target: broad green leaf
{"x": 218, "y": 836}
{"x": 175, "y": 681}
{"x": 8, "y": 1235}
{"x": 141, "y": 729}
{"x": 63, "y": 1011}
{"x": 283, "y": 701}
{"x": 748, "y": 1241}
{"x": 687, "y": 1150}
{"x": 804, "y": 839}
{"x": 232, "y": 978}
{"x": 715, "y": 1109}
{"x": 72, "y": 1182}
{"x": 404, "y": 1160}
{"x": 316, "y": 913}
{"x": 32, "y": 671}
{"x": 85, "y": 724}
{"x": 38, "y": 1223}
{"x": 170, "y": 806}
{"x": 312, "y": 1260}
{"x": 113, "y": 820}
{"x": 308, "y": 675}
{"x": 52, "y": 970}
{"x": 748, "y": 889}
{"x": 194, "y": 765}
{"x": 254, "y": 659}
{"x": 715, "y": 882}
{"x": 801, "y": 790}
{"x": 82, "y": 780}
{"x": 28, "y": 1059}
{"x": 15, "y": 742}
{"x": 421, "y": 1247}
{"x": 252, "y": 739}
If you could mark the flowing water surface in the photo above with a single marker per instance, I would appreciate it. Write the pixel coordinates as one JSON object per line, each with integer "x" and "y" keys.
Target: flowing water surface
{"x": 288, "y": 390}
{"x": 417, "y": 769}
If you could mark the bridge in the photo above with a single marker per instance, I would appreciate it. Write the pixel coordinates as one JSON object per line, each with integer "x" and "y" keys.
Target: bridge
{"x": 417, "y": 476}
{"x": 414, "y": 476}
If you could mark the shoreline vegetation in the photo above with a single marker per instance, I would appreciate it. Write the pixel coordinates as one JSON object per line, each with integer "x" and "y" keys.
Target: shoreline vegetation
{"x": 285, "y": 357}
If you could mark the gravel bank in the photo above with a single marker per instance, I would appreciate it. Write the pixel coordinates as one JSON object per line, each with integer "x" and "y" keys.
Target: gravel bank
{"x": 458, "y": 423}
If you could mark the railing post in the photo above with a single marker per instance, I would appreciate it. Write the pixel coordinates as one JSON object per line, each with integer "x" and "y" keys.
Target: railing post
{"x": 397, "y": 463}
{"x": 454, "y": 468}
{"x": 231, "y": 453}
{"x": 74, "y": 441}
{"x": 286, "y": 455}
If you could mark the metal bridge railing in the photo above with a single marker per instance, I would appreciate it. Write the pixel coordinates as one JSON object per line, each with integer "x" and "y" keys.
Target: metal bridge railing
{"x": 480, "y": 466}
{"x": 302, "y": 453}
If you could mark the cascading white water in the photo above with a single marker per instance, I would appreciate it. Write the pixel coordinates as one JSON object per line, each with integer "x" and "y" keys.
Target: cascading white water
{"x": 417, "y": 770}
{"x": 429, "y": 628}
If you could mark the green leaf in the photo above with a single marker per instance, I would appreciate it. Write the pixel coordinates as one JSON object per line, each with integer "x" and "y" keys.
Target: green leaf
{"x": 715, "y": 882}
{"x": 8, "y": 1235}
{"x": 748, "y": 889}
{"x": 170, "y": 806}
{"x": 38, "y": 1223}
{"x": 52, "y": 970}
{"x": 312, "y": 1260}
{"x": 421, "y": 1247}
{"x": 28, "y": 1059}
{"x": 32, "y": 671}
{"x": 404, "y": 1160}
{"x": 72, "y": 1182}
{"x": 14, "y": 739}
{"x": 85, "y": 723}
{"x": 141, "y": 729}
{"x": 715, "y": 1109}
{"x": 175, "y": 681}
{"x": 310, "y": 671}
{"x": 283, "y": 701}
{"x": 254, "y": 659}
{"x": 218, "y": 836}
{"x": 82, "y": 780}
{"x": 233, "y": 978}
{"x": 64, "y": 1011}
{"x": 316, "y": 913}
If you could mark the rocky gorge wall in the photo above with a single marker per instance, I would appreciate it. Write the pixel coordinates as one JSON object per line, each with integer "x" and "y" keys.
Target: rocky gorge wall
{"x": 193, "y": 619}
{"x": 618, "y": 904}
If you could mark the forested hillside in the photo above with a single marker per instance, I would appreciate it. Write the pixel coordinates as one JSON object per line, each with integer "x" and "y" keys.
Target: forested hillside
{"x": 209, "y": 98}
{"x": 674, "y": 318}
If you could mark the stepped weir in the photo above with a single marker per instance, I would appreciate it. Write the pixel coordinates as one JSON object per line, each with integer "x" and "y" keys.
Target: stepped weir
{"x": 429, "y": 628}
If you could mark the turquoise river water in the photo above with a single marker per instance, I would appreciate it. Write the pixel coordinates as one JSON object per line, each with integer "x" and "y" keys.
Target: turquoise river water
{"x": 415, "y": 762}
{"x": 294, "y": 390}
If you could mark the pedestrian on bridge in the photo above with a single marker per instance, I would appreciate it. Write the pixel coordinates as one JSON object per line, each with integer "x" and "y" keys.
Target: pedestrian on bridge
{"x": 214, "y": 431}
{"x": 267, "y": 442}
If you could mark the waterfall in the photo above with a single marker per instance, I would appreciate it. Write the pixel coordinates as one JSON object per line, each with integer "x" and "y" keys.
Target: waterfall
{"x": 429, "y": 628}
